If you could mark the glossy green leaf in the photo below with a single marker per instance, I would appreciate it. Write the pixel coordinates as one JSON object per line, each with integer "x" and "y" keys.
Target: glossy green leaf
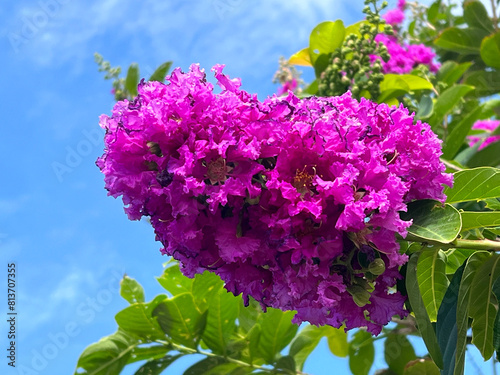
{"x": 156, "y": 366}
{"x": 490, "y": 50}
{"x": 486, "y": 83}
{"x": 457, "y": 136}
{"x": 277, "y": 330}
{"x": 455, "y": 258}
{"x": 148, "y": 353}
{"x": 304, "y": 343}
{"x": 482, "y": 305}
{"x": 446, "y": 325}
{"x": 286, "y": 363}
{"x": 174, "y": 281}
{"x": 131, "y": 290}
{"x": 132, "y": 79}
{"x": 222, "y": 314}
{"x": 422, "y": 367}
{"x": 423, "y": 322}
{"x": 474, "y": 185}
{"x": 432, "y": 280}
{"x": 432, "y": 220}
{"x": 325, "y": 38}
{"x": 204, "y": 287}
{"x": 337, "y": 341}
{"x": 496, "y": 325}
{"x": 449, "y": 98}
{"x": 361, "y": 353}
{"x": 398, "y": 351}
{"x": 493, "y": 204}
{"x": 249, "y": 315}
{"x": 488, "y": 156}
{"x": 107, "y": 356}
{"x": 475, "y": 15}
{"x": 161, "y": 72}
{"x": 302, "y": 58}
{"x": 425, "y": 107}
{"x": 473, "y": 263}
{"x": 458, "y": 40}
{"x": 204, "y": 366}
{"x": 450, "y": 72}
{"x": 137, "y": 319}
{"x": 394, "y": 85}
{"x": 180, "y": 319}
{"x": 471, "y": 220}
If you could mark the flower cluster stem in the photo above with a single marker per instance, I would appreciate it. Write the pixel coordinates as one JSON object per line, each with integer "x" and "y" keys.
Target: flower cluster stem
{"x": 459, "y": 243}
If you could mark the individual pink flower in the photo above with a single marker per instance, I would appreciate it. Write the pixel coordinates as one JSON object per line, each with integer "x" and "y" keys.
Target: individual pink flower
{"x": 394, "y": 17}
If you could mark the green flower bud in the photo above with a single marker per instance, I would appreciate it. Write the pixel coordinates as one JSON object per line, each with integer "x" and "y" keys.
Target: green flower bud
{"x": 377, "y": 267}
{"x": 360, "y": 295}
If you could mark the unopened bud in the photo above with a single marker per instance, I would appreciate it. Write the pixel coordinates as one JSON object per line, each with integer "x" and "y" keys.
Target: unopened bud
{"x": 360, "y": 295}
{"x": 377, "y": 267}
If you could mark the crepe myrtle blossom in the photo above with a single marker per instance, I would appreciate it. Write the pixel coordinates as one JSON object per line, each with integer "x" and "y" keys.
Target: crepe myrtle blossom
{"x": 489, "y": 126}
{"x": 294, "y": 202}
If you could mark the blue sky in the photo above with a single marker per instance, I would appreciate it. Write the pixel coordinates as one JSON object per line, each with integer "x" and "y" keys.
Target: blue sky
{"x": 71, "y": 242}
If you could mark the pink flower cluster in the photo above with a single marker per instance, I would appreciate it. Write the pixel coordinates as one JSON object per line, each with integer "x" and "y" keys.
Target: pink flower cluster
{"x": 488, "y": 126}
{"x": 294, "y": 202}
{"x": 403, "y": 57}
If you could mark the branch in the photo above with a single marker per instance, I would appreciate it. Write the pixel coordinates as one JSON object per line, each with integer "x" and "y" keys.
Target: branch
{"x": 459, "y": 243}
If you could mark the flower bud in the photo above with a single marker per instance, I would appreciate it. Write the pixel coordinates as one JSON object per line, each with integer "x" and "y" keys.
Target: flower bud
{"x": 377, "y": 267}
{"x": 360, "y": 295}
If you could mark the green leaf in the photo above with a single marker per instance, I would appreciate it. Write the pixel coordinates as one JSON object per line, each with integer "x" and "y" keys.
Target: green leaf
{"x": 486, "y": 83}
{"x": 325, "y": 38}
{"x": 180, "y": 319}
{"x": 394, "y": 85}
{"x": 458, "y": 40}
{"x": 488, "y": 156}
{"x": 425, "y": 107}
{"x": 132, "y": 79}
{"x": 286, "y": 362}
{"x": 473, "y": 263}
{"x": 398, "y": 351}
{"x": 449, "y": 98}
{"x": 249, "y": 315}
{"x": 107, "y": 356}
{"x": 424, "y": 324}
{"x": 457, "y": 136}
{"x": 496, "y": 325}
{"x": 432, "y": 221}
{"x": 174, "y": 281}
{"x": 446, "y": 325}
{"x": 160, "y": 72}
{"x": 131, "y": 290}
{"x": 202, "y": 367}
{"x": 450, "y": 72}
{"x": 474, "y": 185}
{"x": 302, "y": 58}
{"x": 361, "y": 353}
{"x": 492, "y": 204}
{"x": 482, "y": 219}
{"x": 337, "y": 341}
{"x": 277, "y": 330}
{"x": 304, "y": 343}
{"x": 421, "y": 367}
{"x": 482, "y": 305}
{"x": 148, "y": 353}
{"x": 137, "y": 319}
{"x": 222, "y": 314}
{"x": 432, "y": 280}
{"x": 455, "y": 258}
{"x": 475, "y": 15}
{"x": 490, "y": 50}
{"x": 156, "y": 366}
{"x": 204, "y": 287}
